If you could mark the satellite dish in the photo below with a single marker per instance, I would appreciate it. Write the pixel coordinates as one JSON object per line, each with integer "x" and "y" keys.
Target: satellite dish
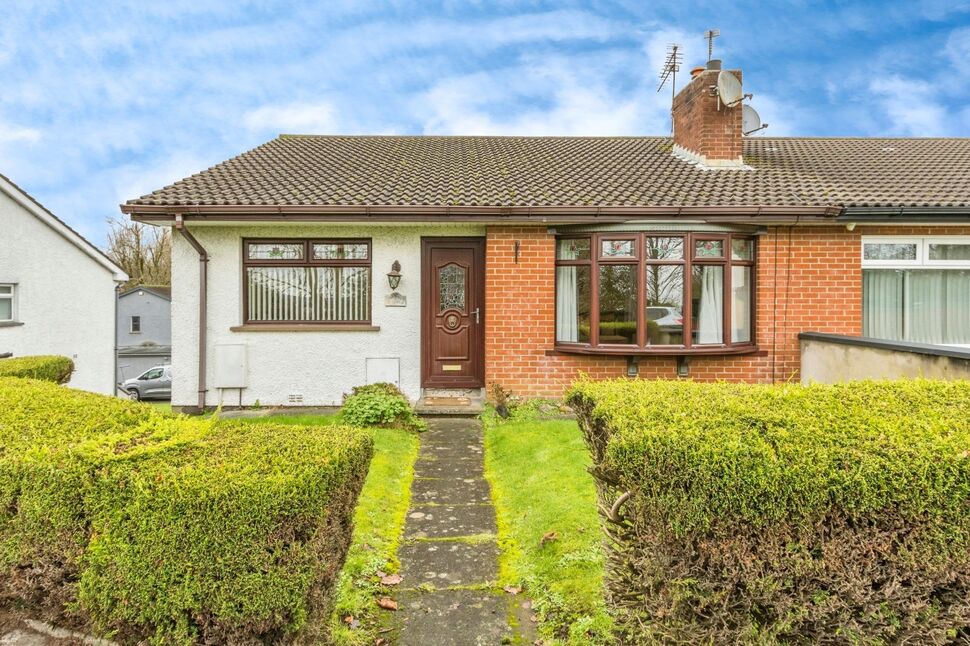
{"x": 750, "y": 120}
{"x": 728, "y": 88}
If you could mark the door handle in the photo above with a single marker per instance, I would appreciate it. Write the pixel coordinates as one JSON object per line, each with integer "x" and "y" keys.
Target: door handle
{"x": 477, "y": 309}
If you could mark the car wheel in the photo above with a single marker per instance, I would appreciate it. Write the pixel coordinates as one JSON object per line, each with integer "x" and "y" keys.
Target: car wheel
{"x": 134, "y": 395}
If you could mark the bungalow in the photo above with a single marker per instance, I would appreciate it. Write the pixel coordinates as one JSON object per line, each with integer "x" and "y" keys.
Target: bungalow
{"x": 57, "y": 291}
{"x": 312, "y": 264}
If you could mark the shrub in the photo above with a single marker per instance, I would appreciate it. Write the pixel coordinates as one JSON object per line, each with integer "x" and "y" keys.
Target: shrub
{"x": 813, "y": 514}
{"x": 380, "y": 405}
{"x": 177, "y": 529}
{"x": 47, "y": 368}
{"x": 241, "y": 534}
{"x": 52, "y": 440}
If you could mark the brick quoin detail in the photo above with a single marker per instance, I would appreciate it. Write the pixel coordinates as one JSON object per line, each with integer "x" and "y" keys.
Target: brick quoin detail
{"x": 808, "y": 279}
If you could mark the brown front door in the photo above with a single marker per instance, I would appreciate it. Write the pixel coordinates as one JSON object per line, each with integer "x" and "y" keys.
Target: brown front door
{"x": 453, "y": 312}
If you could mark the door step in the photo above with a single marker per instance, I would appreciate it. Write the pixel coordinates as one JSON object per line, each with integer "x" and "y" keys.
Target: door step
{"x": 451, "y": 402}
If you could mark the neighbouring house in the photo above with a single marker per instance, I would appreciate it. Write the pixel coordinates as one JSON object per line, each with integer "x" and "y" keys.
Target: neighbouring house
{"x": 144, "y": 330}
{"x": 57, "y": 291}
{"x": 311, "y": 264}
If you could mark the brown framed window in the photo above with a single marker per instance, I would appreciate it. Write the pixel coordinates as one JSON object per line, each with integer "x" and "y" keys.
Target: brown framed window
{"x": 291, "y": 280}
{"x": 655, "y": 292}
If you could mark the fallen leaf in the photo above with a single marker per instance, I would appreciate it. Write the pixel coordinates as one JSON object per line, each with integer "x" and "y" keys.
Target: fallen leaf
{"x": 349, "y": 619}
{"x": 381, "y": 573}
{"x": 512, "y": 589}
{"x": 549, "y": 537}
{"x": 380, "y": 641}
{"x": 534, "y": 618}
{"x": 387, "y": 603}
{"x": 391, "y": 579}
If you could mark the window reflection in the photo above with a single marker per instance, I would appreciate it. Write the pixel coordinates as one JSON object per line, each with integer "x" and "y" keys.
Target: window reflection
{"x": 665, "y": 300}
{"x": 618, "y": 304}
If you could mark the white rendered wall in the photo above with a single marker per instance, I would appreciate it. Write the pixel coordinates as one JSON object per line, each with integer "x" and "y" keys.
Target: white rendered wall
{"x": 320, "y": 366}
{"x": 65, "y": 299}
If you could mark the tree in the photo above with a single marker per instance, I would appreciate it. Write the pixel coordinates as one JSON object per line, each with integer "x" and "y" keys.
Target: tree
{"x": 143, "y": 251}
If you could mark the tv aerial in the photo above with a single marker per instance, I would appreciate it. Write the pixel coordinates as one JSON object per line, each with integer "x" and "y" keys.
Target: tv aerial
{"x": 670, "y": 68}
{"x": 709, "y": 36}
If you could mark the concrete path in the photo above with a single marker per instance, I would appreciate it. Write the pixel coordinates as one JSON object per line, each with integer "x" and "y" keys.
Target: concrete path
{"x": 449, "y": 558}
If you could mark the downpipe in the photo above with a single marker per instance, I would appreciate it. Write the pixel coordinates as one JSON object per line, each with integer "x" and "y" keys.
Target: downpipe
{"x": 203, "y": 297}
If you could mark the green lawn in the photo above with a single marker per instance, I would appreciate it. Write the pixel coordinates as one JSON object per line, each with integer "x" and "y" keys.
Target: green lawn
{"x": 537, "y": 470}
{"x": 378, "y": 526}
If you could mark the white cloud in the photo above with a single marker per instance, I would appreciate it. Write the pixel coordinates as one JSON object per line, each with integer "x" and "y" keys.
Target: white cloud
{"x": 910, "y": 107}
{"x": 10, "y": 134}
{"x": 611, "y": 92}
{"x": 295, "y": 118}
{"x": 957, "y": 49}
{"x": 134, "y": 180}
{"x": 563, "y": 106}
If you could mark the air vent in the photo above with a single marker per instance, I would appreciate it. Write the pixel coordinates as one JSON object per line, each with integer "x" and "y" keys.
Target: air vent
{"x": 295, "y": 399}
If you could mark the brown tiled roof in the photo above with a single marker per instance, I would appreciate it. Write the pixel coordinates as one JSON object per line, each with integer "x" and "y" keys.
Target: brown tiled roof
{"x": 310, "y": 170}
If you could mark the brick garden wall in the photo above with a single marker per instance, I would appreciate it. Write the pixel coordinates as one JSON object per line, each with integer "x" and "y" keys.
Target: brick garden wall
{"x": 808, "y": 278}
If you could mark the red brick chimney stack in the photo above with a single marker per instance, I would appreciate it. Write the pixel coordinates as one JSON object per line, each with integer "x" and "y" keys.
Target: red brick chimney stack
{"x": 704, "y": 134}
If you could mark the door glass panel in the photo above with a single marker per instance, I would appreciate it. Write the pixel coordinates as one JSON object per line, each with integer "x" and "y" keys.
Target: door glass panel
{"x": 618, "y": 304}
{"x": 665, "y": 302}
{"x": 451, "y": 288}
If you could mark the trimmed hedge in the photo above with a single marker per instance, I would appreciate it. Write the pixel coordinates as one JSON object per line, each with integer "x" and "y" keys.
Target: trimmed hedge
{"x": 171, "y": 529}
{"x": 44, "y": 367}
{"x": 820, "y": 514}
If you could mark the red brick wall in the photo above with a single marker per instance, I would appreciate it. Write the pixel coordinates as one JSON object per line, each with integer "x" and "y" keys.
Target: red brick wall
{"x": 808, "y": 279}
{"x": 698, "y": 124}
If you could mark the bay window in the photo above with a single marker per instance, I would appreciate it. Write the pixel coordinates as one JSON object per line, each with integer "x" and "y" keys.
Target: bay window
{"x": 916, "y": 289}
{"x": 307, "y": 281}
{"x": 631, "y": 293}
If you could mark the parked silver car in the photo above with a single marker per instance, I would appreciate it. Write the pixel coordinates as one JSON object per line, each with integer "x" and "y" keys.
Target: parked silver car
{"x": 154, "y": 383}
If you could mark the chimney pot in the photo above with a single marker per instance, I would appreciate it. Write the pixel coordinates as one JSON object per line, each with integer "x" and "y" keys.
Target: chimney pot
{"x": 714, "y": 64}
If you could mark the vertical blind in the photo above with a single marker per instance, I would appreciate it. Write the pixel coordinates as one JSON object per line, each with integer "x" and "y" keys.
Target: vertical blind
{"x": 302, "y": 294}
{"x": 917, "y": 305}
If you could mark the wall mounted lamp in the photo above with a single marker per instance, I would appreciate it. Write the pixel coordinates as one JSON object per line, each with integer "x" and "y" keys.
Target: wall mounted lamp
{"x": 394, "y": 276}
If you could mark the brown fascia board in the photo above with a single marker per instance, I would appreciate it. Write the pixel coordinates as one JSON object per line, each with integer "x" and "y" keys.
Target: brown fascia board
{"x": 405, "y": 213}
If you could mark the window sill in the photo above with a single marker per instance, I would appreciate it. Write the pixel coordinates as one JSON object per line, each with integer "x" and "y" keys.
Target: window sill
{"x": 11, "y": 323}
{"x": 305, "y": 327}
{"x": 660, "y": 351}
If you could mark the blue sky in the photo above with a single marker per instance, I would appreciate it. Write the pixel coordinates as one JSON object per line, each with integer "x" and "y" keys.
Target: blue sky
{"x": 103, "y": 101}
